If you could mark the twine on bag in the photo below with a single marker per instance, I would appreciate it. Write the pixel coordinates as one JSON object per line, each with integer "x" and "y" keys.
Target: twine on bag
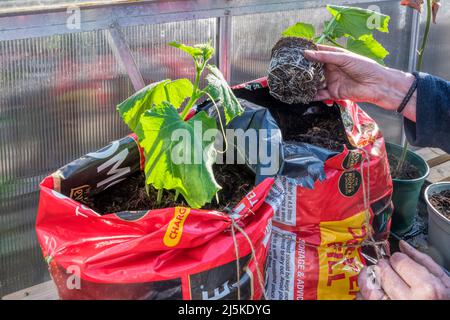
{"x": 369, "y": 240}
{"x": 235, "y": 226}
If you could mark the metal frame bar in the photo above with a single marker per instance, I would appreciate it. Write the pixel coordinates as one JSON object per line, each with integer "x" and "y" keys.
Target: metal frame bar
{"x": 24, "y": 25}
{"x": 412, "y": 60}
{"x": 224, "y": 41}
{"x": 124, "y": 56}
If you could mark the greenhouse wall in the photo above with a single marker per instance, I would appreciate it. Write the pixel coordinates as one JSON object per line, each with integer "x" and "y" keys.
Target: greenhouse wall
{"x": 59, "y": 87}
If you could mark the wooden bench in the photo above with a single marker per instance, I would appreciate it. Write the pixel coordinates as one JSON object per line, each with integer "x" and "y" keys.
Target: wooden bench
{"x": 42, "y": 291}
{"x": 439, "y": 163}
{"x": 438, "y": 160}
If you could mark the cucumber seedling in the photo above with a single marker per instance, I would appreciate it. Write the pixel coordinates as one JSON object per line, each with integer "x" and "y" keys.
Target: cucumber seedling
{"x": 294, "y": 79}
{"x": 153, "y": 115}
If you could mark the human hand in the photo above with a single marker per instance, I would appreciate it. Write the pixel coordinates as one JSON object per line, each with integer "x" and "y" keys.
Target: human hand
{"x": 409, "y": 275}
{"x": 354, "y": 77}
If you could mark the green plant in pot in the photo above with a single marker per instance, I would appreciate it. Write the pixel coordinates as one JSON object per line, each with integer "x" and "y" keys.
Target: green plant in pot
{"x": 408, "y": 169}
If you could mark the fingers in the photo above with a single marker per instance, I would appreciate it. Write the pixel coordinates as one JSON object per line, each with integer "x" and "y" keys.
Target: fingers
{"x": 369, "y": 287}
{"x": 425, "y": 261}
{"x": 331, "y": 57}
{"x": 322, "y": 94}
{"x": 391, "y": 282}
{"x": 414, "y": 274}
{"x": 323, "y": 47}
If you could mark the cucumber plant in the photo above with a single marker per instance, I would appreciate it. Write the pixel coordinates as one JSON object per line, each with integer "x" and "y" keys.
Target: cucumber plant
{"x": 354, "y": 25}
{"x": 159, "y": 110}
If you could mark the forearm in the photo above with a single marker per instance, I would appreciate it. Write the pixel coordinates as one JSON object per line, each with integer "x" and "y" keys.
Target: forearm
{"x": 393, "y": 89}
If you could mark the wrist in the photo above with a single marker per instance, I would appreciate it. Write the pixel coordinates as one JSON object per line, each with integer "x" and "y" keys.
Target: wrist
{"x": 394, "y": 88}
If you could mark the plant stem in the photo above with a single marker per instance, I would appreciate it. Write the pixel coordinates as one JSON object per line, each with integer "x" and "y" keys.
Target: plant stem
{"x": 159, "y": 196}
{"x": 425, "y": 37}
{"x": 321, "y": 39}
{"x": 195, "y": 91}
{"x": 335, "y": 43}
{"x": 326, "y": 33}
{"x": 418, "y": 68}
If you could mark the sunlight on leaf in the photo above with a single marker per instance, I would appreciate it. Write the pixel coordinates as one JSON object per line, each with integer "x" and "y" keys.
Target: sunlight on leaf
{"x": 302, "y": 30}
{"x": 199, "y": 51}
{"x": 358, "y": 22}
{"x": 193, "y": 178}
{"x": 369, "y": 47}
{"x": 173, "y": 91}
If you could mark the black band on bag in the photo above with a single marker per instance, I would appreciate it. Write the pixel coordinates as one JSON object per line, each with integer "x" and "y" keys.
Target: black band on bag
{"x": 409, "y": 94}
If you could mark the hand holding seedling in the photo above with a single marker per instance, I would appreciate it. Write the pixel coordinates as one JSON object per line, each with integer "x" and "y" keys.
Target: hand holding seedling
{"x": 406, "y": 275}
{"x": 351, "y": 76}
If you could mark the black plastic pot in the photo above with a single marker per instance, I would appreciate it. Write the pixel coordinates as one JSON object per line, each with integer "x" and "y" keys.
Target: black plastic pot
{"x": 406, "y": 192}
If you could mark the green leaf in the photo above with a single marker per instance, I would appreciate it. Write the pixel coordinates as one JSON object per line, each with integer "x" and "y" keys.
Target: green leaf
{"x": 221, "y": 92}
{"x": 199, "y": 51}
{"x": 194, "y": 178}
{"x": 335, "y": 30}
{"x": 173, "y": 91}
{"x": 358, "y": 22}
{"x": 178, "y": 90}
{"x": 369, "y": 47}
{"x": 302, "y": 30}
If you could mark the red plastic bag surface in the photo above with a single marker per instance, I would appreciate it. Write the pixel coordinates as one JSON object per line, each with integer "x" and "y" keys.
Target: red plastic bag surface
{"x": 171, "y": 253}
{"x": 320, "y": 234}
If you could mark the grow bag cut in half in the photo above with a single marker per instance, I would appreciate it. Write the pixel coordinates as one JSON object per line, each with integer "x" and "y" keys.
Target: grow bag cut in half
{"x": 169, "y": 253}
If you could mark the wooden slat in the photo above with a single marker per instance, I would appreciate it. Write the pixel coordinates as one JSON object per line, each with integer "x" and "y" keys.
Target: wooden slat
{"x": 43, "y": 291}
{"x": 440, "y": 172}
{"x": 438, "y": 160}
{"x": 429, "y": 153}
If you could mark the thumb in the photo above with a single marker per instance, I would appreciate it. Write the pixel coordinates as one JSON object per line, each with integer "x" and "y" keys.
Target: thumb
{"x": 336, "y": 58}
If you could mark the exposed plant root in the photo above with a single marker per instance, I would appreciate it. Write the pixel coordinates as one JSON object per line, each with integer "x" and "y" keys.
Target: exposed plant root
{"x": 292, "y": 78}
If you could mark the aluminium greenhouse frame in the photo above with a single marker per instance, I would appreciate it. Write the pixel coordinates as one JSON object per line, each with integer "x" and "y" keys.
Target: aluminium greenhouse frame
{"x": 31, "y": 23}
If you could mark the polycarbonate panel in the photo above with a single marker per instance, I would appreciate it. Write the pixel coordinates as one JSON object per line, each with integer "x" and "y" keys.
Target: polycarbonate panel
{"x": 254, "y": 36}
{"x": 156, "y": 59}
{"x": 58, "y": 102}
{"x": 438, "y": 47}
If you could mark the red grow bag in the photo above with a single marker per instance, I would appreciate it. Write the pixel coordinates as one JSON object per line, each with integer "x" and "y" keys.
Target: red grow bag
{"x": 170, "y": 253}
{"x": 320, "y": 234}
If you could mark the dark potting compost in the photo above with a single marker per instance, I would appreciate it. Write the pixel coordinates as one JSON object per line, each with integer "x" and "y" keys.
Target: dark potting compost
{"x": 441, "y": 202}
{"x": 314, "y": 123}
{"x": 292, "y": 78}
{"x": 130, "y": 195}
{"x": 407, "y": 172}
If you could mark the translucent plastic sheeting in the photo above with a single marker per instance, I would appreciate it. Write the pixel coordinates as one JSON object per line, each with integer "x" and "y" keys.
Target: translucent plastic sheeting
{"x": 437, "y": 52}
{"x": 155, "y": 59}
{"x": 57, "y": 103}
{"x": 253, "y": 36}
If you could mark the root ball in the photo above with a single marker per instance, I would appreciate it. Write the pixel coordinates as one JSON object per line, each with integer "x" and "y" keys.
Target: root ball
{"x": 292, "y": 78}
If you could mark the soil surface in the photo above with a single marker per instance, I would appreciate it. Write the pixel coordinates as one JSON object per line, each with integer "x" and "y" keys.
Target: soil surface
{"x": 441, "y": 202}
{"x": 130, "y": 195}
{"x": 408, "y": 171}
{"x": 314, "y": 123}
